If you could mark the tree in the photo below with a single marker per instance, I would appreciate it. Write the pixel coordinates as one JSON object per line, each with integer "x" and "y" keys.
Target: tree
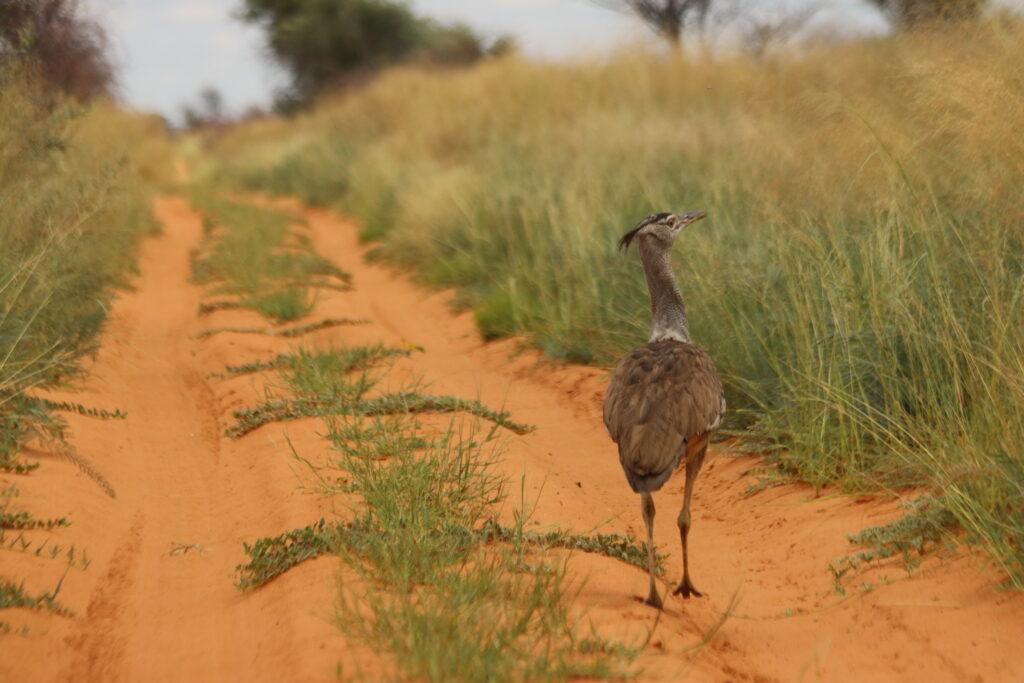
{"x": 765, "y": 33}
{"x": 323, "y": 43}
{"x": 68, "y": 49}
{"x": 209, "y": 112}
{"x": 668, "y": 18}
{"x": 907, "y": 14}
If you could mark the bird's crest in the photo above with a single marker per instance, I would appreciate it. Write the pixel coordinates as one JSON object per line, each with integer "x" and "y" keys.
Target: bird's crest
{"x": 628, "y": 238}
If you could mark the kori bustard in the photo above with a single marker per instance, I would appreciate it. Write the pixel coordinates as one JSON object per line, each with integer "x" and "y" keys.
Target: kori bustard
{"x": 665, "y": 398}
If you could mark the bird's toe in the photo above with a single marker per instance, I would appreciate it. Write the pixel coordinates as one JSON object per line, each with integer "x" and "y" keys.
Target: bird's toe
{"x": 654, "y": 600}
{"x": 686, "y": 589}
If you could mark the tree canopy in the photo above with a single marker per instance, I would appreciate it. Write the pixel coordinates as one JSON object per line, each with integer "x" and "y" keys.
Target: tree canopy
{"x": 66, "y": 47}
{"x": 668, "y": 18}
{"x": 329, "y": 42}
{"x": 911, "y": 13}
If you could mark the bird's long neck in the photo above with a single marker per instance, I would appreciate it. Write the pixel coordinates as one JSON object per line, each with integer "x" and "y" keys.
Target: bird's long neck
{"x": 668, "y": 312}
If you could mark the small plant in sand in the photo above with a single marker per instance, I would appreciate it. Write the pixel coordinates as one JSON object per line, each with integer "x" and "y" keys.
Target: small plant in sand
{"x": 13, "y": 596}
{"x": 926, "y": 526}
{"x": 321, "y": 388}
{"x": 21, "y": 520}
{"x": 343, "y": 359}
{"x": 17, "y": 542}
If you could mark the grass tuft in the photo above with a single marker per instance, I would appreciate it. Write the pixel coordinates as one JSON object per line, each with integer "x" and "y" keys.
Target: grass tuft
{"x": 271, "y": 557}
{"x": 282, "y": 305}
{"x": 74, "y": 557}
{"x": 404, "y": 403}
{"x": 13, "y": 596}
{"x": 21, "y": 520}
{"x": 85, "y": 411}
{"x": 320, "y": 381}
{"x": 616, "y": 546}
{"x": 208, "y": 307}
{"x": 927, "y": 523}
{"x": 341, "y": 360}
{"x": 24, "y": 521}
{"x": 254, "y": 253}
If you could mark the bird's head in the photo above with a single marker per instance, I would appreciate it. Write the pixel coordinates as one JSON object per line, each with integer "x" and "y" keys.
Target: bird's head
{"x": 664, "y": 227}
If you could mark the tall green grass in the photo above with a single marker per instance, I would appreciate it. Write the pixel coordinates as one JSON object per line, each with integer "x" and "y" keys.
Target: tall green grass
{"x": 75, "y": 185}
{"x": 74, "y": 199}
{"x": 860, "y": 282}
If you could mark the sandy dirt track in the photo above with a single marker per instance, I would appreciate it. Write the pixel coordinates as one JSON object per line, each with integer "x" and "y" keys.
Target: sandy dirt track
{"x": 158, "y": 603}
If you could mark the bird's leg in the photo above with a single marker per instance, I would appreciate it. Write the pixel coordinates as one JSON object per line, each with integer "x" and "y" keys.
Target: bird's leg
{"x": 647, "y": 507}
{"x": 693, "y": 465}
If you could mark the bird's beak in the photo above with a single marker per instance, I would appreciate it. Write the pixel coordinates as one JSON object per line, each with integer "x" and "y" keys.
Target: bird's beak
{"x": 691, "y": 217}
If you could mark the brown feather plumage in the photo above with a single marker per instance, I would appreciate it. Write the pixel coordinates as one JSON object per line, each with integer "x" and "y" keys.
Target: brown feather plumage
{"x": 661, "y": 398}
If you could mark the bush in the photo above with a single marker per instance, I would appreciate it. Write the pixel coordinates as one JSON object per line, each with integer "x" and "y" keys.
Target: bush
{"x": 326, "y": 43}
{"x": 68, "y": 49}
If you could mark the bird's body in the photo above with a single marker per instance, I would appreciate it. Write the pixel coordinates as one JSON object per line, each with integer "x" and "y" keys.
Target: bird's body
{"x": 665, "y": 398}
{"x": 662, "y": 397}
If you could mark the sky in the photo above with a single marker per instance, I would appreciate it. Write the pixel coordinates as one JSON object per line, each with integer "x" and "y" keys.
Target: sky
{"x": 167, "y": 50}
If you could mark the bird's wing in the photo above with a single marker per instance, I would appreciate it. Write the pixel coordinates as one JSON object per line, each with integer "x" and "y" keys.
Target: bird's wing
{"x": 660, "y": 396}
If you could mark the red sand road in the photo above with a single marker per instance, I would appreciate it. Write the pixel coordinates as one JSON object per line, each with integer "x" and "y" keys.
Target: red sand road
{"x": 157, "y": 602}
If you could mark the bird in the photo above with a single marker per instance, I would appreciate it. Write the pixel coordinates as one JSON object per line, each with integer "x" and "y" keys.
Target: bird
{"x": 664, "y": 398}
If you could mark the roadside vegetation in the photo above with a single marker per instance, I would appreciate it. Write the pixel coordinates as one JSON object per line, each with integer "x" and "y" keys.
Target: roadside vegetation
{"x": 75, "y": 186}
{"x": 860, "y": 282}
{"x": 76, "y": 175}
{"x": 75, "y": 198}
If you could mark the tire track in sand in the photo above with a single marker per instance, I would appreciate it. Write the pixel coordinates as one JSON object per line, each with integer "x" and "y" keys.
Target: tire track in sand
{"x": 97, "y": 645}
{"x": 159, "y": 602}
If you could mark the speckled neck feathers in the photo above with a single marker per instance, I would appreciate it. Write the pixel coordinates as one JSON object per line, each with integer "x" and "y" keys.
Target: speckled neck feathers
{"x": 668, "y": 312}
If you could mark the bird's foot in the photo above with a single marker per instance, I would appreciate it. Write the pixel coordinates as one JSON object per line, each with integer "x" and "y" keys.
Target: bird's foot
{"x": 654, "y": 600}
{"x": 686, "y": 589}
